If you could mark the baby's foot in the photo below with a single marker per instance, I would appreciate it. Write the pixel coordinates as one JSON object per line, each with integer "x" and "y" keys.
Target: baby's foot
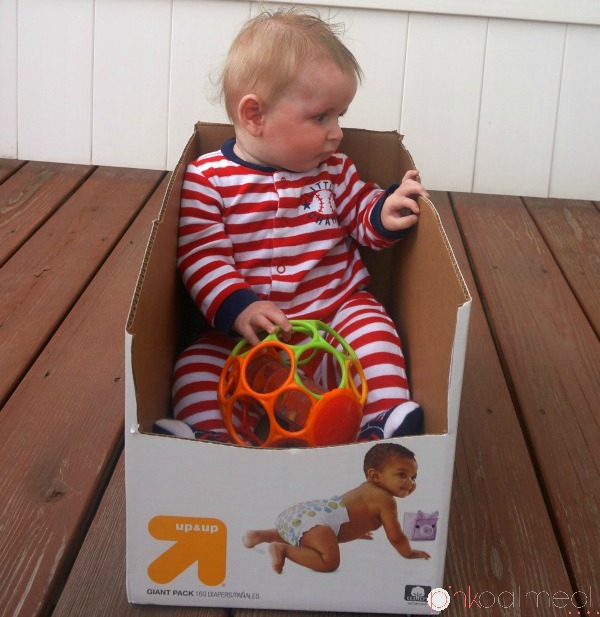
{"x": 277, "y": 552}
{"x": 402, "y": 420}
{"x": 251, "y": 539}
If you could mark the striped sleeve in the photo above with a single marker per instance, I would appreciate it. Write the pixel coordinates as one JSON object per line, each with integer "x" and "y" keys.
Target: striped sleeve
{"x": 205, "y": 252}
{"x": 359, "y": 207}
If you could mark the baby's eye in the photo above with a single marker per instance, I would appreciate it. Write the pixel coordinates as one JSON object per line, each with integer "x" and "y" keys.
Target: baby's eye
{"x": 320, "y": 117}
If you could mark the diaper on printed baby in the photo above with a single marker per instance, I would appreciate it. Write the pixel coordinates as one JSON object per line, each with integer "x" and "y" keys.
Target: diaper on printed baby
{"x": 296, "y": 520}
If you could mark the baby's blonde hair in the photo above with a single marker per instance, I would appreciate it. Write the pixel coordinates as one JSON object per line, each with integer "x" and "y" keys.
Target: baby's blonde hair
{"x": 265, "y": 56}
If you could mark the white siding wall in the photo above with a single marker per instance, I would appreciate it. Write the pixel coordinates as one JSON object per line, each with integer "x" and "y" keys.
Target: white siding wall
{"x": 499, "y": 98}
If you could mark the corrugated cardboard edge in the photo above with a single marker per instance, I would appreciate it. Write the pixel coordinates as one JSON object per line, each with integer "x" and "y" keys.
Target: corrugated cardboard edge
{"x": 431, "y": 352}
{"x": 155, "y": 225}
{"x": 431, "y": 205}
{"x": 459, "y": 274}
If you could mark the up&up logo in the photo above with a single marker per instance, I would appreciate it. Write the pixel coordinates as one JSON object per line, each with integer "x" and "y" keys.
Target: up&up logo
{"x": 193, "y": 540}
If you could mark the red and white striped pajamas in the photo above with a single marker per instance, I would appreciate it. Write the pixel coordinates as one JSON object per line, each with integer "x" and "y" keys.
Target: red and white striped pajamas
{"x": 250, "y": 233}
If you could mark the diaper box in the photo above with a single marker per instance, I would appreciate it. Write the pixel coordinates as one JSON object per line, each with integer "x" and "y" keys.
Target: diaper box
{"x": 190, "y": 503}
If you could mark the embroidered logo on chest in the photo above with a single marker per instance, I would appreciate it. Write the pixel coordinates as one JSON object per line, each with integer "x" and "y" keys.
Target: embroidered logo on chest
{"x": 319, "y": 205}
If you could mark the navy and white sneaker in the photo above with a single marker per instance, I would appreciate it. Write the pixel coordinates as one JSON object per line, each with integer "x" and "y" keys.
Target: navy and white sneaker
{"x": 400, "y": 421}
{"x": 177, "y": 428}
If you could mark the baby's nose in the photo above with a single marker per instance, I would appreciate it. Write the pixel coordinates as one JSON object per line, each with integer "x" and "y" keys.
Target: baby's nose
{"x": 336, "y": 133}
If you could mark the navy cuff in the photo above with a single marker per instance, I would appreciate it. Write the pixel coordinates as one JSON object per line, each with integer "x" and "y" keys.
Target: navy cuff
{"x": 375, "y": 218}
{"x": 232, "y": 306}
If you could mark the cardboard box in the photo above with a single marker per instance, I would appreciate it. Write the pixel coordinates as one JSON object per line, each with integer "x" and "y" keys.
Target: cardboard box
{"x": 189, "y": 503}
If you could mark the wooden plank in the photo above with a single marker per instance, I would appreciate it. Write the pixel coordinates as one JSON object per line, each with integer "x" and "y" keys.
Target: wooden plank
{"x": 501, "y": 536}
{"x": 46, "y": 276}
{"x": 55, "y": 80}
{"x": 200, "y": 30}
{"x": 522, "y": 73}
{"x": 383, "y": 64}
{"x": 578, "y": 11}
{"x": 8, "y": 79}
{"x": 30, "y": 196}
{"x": 62, "y": 428}
{"x": 96, "y": 584}
{"x": 572, "y": 231}
{"x": 442, "y": 93}
{"x": 8, "y": 167}
{"x": 553, "y": 360}
{"x": 131, "y": 129}
{"x": 577, "y": 141}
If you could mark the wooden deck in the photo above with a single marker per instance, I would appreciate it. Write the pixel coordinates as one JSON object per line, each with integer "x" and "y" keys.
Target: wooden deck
{"x": 525, "y": 520}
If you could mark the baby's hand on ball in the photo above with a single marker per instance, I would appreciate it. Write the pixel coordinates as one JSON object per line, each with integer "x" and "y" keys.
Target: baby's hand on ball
{"x": 258, "y": 317}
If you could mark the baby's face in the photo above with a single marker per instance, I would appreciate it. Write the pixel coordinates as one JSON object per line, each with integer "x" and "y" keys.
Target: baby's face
{"x": 398, "y": 476}
{"x": 301, "y": 129}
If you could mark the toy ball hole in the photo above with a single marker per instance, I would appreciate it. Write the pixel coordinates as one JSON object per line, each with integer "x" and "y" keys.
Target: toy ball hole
{"x": 306, "y": 356}
{"x": 333, "y": 370}
{"x": 292, "y": 409}
{"x": 245, "y": 348}
{"x": 266, "y": 373}
{"x": 356, "y": 380}
{"x": 338, "y": 371}
{"x": 353, "y": 374}
{"x": 231, "y": 380}
{"x": 251, "y": 421}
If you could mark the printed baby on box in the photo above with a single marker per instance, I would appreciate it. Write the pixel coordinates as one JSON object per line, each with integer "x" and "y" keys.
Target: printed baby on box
{"x": 208, "y": 538}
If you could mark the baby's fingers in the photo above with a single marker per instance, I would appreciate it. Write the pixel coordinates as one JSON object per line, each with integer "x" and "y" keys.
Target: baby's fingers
{"x": 411, "y": 174}
{"x": 411, "y": 185}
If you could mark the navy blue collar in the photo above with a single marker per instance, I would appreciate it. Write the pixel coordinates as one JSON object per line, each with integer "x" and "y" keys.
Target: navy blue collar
{"x": 229, "y": 153}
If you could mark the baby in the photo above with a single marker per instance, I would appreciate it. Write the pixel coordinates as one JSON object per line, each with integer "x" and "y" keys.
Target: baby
{"x": 270, "y": 225}
{"x": 310, "y": 533}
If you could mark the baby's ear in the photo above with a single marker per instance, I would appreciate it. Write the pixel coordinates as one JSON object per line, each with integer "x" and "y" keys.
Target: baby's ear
{"x": 372, "y": 475}
{"x": 250, "y": 114}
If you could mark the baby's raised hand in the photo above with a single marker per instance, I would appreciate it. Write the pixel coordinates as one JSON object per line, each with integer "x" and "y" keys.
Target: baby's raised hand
{"x": 260, "y": 316}
{"x": 400, "y": 209}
